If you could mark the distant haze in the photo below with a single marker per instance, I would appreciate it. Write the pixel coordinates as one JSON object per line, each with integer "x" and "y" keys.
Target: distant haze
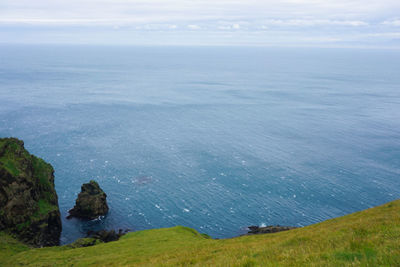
{"x": 324, "y": 23}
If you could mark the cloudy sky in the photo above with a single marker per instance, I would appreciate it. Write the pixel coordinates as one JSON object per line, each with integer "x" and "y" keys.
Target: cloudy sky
{"x": 326, "y": 23}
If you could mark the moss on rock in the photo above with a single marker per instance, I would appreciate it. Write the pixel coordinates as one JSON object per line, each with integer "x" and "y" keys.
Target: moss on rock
{"x": 28, "y": 200}
{"x": 91, "y": 202}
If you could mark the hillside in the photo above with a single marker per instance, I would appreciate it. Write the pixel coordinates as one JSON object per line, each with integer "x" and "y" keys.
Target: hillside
{"x": 366, "y": 238}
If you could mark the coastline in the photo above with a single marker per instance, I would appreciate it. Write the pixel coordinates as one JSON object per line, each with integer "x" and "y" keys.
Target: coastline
{"x": 368, "y": 237}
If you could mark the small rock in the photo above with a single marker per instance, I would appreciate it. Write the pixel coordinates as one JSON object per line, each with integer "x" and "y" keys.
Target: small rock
{"x": 91, "y": 202}
{"x": 107, "y": 235}
{"x": 84, "y": 242}
{"x": 268, "y": 229}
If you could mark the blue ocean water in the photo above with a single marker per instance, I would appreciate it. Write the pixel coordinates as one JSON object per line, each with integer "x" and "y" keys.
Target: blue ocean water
{"x": 211, "y": 138}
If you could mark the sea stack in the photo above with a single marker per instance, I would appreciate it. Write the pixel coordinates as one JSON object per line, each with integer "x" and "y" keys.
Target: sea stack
{"x": 91, "y": 202}
{"x": 28, "y": 200}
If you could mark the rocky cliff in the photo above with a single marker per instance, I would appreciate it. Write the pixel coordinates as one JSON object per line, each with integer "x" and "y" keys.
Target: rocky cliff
{"x": 28, "y": 200}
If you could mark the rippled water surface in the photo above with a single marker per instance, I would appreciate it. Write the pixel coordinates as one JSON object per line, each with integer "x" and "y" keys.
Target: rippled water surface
{"x": 211, "y": 138}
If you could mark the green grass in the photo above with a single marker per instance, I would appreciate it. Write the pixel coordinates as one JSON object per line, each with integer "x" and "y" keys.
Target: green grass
{"x": 367, "y": 238}
{"x": 12, "y": 153}
{"x": 9, "y": 165}
{"x": 42, "y": 171}
{"x": 8, "y": 160}
{"x": 45, "y": 207}
{"x": 13, "y": 158}
{"x": 23, "y": 225}
{"x": 8, "y": 248}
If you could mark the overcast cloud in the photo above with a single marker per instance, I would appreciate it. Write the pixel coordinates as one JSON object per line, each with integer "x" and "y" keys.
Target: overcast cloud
{"x": 202, "y": 22}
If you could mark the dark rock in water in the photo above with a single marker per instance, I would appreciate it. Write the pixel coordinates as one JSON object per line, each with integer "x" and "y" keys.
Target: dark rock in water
{"x": 84, "y": 242}
{"x": 107, "y": 235}
{"x": 28, "y": 201}
{"x": 268, "y": 229}
{"x": 91, "y": 202}
{"x": 94, "y": 238}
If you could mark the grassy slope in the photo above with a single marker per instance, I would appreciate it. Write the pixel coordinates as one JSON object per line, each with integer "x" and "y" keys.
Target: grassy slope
{"x": 367, "y": 238}
{"x": 9, "y": 247}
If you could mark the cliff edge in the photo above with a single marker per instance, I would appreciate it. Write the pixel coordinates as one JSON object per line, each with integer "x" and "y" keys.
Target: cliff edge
{"x": 28, "y": 200}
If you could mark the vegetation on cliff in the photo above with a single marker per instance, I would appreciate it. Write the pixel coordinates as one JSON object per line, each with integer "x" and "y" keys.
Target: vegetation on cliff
{"x": 367, "y": 238}
{"x": 28, "y": 201}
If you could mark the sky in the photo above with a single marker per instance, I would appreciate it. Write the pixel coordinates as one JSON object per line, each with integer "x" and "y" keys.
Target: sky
{"x": 320, "y": 23}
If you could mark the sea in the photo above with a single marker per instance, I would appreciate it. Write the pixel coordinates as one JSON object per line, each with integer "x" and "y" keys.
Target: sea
{"x": 213, "y": 138}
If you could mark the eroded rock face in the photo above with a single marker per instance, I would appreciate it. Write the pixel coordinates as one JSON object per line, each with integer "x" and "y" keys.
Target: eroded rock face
{"x": 28, "y": 200}
{"x": 91, "y": 202}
